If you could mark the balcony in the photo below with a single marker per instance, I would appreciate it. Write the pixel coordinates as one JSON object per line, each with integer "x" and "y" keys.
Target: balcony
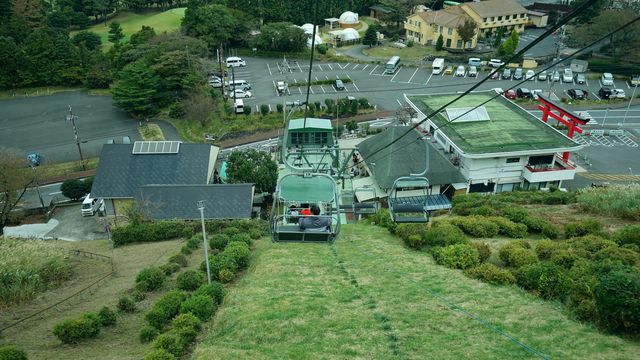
{"x": 559, "y": 170}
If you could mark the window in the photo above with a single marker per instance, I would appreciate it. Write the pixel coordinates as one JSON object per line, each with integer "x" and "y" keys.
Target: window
{"x": 448, "y": 43}
{"x": 459, "y": 44}
{"x": 439, "y": 28}
{"x": 522, "y": 16}
{"x": 513, "y": 160}
{"x": 507, "y": 17}
{"x": 493, "y": 18}
{"x": 499, "y": 18}
{"x": 419, "y": 23}
{"x": 484, "y": 19}
{"x": 450, "y": 31}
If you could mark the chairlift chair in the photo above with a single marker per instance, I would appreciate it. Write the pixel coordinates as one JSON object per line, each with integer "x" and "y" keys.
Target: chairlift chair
{"x": 409, "y": 209}
{"x": 365, "y": 207}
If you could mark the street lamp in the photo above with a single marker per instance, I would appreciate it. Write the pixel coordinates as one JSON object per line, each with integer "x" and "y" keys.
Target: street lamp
{"x": 628, "y": 106}
{"x": 204, "y": 239}
{"x": 73, "y": 119}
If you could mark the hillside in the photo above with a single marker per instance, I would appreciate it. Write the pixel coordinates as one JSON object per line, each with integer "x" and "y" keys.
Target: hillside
{"x": 367, "y": 296}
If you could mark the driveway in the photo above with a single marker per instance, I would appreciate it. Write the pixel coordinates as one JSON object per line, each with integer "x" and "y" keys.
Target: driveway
{"x": 74, "y": 227}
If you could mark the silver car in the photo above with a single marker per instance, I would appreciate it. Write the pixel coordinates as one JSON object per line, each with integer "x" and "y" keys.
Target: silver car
{"x": 542, "y": 76}
{"x": 581, "y": 79}
{"x": 556, "y": 76}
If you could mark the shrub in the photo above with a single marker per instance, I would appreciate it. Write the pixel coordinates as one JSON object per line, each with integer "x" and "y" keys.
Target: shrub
{"x": 71, "y": 331}
{"x": 551, "y": 231}
{"x": 491, "y": 274}
{"x": 10, "y": 352}
{"x": 585, "y": 227}
{"x": 581, "y": 298}
{"x": 534, "y": 223}
{"x": 549, "y": 280}
{"x": 627, "y": 235}
{"x": 201, "y": 306}
{"x": 165, "y": 308}
{"x": 516, "y": 254}
{"x": 184, "y": 250}
{"x": 443, "y": 233}
{"x": 412, "y": 234}
{"x": 147, "y": 232}
{"x": 176, "y": 110}
{"x": 247, "y": 110}
{"x": 509, "y": 228}
{"x": 279, "y": 108}
{"x": 170, "y": 342}
{"x": 170, "y": 268}
{"x": 255, "y": 234}
{"x": 148, "y": 333}
{"x": 107, "y": 316}
{"x": 194, "y": 242}
{"x": 150, "y": 279}
{"x": 126, "y": 304}
{"x": 159, "y": 354}
{"x": 243, "y": 238}
{"x": 322, "y": 48}
{"x": 383, "y": 218}
{"x": 189, "y": 280}
{"x": 179, "y": 259}
{"x": 220, "y": 262}
{"x": 239, "y": 252}
{"x": 484, "y": 251}
{"x": 219, "y": 241}
{"x": 587, "y": 246}
{"x": 515, "y": 214}
{"x": 477, "y": 226}
{"x": 215, "y": 291}
{"x": 186, "y": 321}
{"x": 231, "y": 231}
{"x": 617, "y": 298}
{"x": 74, "y": 189}
{"x": 458, "y": 256}
{"x": 225, "y": 275}
{"x": 138, "y": 295}
{"x": 564, "y": 258}
{"x": 624, "y": 256}
{"x": 544, "y": 249}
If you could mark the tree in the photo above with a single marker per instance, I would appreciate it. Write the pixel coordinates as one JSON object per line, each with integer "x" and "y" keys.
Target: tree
{"x": 198, "y": 107}
{"x": 15, "y": 179}
{"x": 142, "y": 36}
{"x": 623, "y": 43}
{"x": 90, "y": 40}
{"x": 466, "y": 31}
{"x": 74, "y": 189}
{"x": 30, "y": 11}
{"x": 370, "y": 37}
{"x": 440, "y": 43}
{"x": 508, "y": 48}
{"x": 587, "y": 15}
{"x": 136, "y": 89}
{"x": 515, "y": 38}
{"x": 115, "y": 33}
{"x": 281, "y": 36}
{"x": 499, "y": 36}
{"x": 213, "y": 23}
{"x": 255, "y": 167}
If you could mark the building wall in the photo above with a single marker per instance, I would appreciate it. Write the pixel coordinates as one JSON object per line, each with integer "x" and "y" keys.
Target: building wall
{"x": 120, "y": 205}
{"x": 418, "y": 30}
{"x": 492, "y": 23}
{"x": 538, "y": 21}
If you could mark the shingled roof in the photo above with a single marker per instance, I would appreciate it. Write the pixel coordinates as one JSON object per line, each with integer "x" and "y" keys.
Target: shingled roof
{"x": 496, "y": 8}
{"x": 407, "y": 156}
{"x": 222, "y": 201}
{"x": 120, "y": 172}
{"x": 450, "y": 17}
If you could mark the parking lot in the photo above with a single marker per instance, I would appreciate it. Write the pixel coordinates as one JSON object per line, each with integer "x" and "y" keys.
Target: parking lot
{"x": 386, "y": 91}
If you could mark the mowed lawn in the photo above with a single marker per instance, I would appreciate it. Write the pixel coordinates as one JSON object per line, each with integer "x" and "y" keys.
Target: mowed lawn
{"x": 368, "y": 297}
{"x": 131, "y": 23}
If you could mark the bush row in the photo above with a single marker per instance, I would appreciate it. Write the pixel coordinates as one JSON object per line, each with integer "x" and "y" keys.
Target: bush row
{"x": 224, "y": 265}
{"x": 11, "y": 352}
{"x": 150, "y": 232}
{"x": 86, "y": 326}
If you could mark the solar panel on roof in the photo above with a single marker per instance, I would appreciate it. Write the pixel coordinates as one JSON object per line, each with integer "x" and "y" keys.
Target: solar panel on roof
{"x": 467, "y": 114}
{"x": 156, "y": 147}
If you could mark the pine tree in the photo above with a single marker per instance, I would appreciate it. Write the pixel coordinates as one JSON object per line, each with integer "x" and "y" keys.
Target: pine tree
{"x": 499, "y": 37}
{"x": 370, "y": 37}
{"x": 136, "y": 89}
{"x": 440, "y": 43}
{"x": 115, "y": 33}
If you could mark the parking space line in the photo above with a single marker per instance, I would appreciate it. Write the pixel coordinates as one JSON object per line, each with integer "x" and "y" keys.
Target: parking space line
{"x": 365, "y": 67}
{"x": 428, "y": 79}
{"x": 269, "y": 68}
{"x": 586, "y": 81}
{"x": 349, "y": 77}
{"x": 414, "y": 74}
{"x": 627, "y": 83}
{"x": 399, "y": 103}
{"x": 355, "y": 86}
{"x": 374, "y": 69}
{"x": 322, "y": 88}
{"x": 311, "y": 89}
{"x": 394, "y": 76}
{"x": 269, "y": 107}
{"x": 316, "y": 78}
{"x": 299, "y": 68}
{"x": 329, "y": 65}
{"x": 326, "y": 77}
{"x": 300, "y": 90}
{"x": 355, "y": 66}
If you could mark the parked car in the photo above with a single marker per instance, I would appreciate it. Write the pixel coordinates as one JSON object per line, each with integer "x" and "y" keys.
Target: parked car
{"x": 536, "y": 92}
{"x": 567, "y": 75}
{"x": 473, "y": 71}
{"x": 460, "y": 71}
{"x": 542, "y": 76}
{"x": 506, "y": 74}
{"x": 577, "y": 94}
{"x": 496, "y": 63}
{"x": 240, "y": 93}
{"x": 517, "y": 75}
{"x": 126, "y": 139}
{"x": 474, "y": 62}
{"x": 338, "y": 85}
{"x": 448, "y": 70}
{"x": 618, "y": 93}
{"x": 556, "y": 76}
{"x": 34, "y": 159}
{"x": 218, "y": 73}
{"x": 607, "y": 79}
{"x": 510, "y": 94}
{"x": 524, "y": 93}
{"x": 281, "y": 87}
{"x": 581, "y": 79}
{"x": 634, "y": 81}
{"x": 530, "y": 75}
{"x": 215, "y": 82}
{"x": 495, "y": 74}
{"x": 605, "y": 93}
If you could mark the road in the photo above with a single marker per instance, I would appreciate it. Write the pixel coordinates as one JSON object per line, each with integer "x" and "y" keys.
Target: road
{"x": 39, "y": 124}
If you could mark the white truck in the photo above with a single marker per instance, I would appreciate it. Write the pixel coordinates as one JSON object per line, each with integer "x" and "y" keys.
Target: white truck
{"x": 281, "y": 87}
{"x": 437, "y": 66}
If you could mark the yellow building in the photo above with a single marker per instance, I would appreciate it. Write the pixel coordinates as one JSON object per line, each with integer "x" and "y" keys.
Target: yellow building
{"x": 425, "y": 27}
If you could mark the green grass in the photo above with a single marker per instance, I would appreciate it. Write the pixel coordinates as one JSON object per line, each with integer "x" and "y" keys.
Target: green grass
{"x": 367, "y": 296}
{"x": 509, "y": 128}
{"x": 131, "y": 23}
{"x": 414, "y": 53}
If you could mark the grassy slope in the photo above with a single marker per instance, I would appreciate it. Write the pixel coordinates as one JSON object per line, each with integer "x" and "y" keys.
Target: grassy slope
{"x": 132, "y": 22}
{"x": 368, "y": 297}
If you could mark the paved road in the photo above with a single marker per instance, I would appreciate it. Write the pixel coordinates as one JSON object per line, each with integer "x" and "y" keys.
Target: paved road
{"x": 39, "y": 124}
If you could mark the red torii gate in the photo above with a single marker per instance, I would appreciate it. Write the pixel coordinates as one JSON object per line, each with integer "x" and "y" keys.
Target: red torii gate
{"x": 563, "y": 116}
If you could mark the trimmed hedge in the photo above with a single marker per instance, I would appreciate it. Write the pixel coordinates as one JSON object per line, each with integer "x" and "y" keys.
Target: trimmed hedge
{"x": 477, "y": 226}
{"x": 170, "y": 268}
{"x": 215, "y": 291}
{"x": 545, "y": 248}
{"x": 189, "y": 280}
{"x": 491, "y": 274}
{"x": 443, "y": 233}
{"x": 517, "y": 253}
{"x": 159, "y": 354}
{"x": 627, "y": 235}
{"x": 219, "y": 241}
{"x": 549, "y": 280}
{"x": 587, "y": 246}
{"x": 239, "y": 251}
{"x": 126, "y": 304}
{"x": 72, "y": 331}
{"x": 107, "y": 316}
{"x": 582, "y": 228}
{"x": 509, "y": 228}
{"x": 170, "y": 342}
{"x": 165, "y": 308}
{"x": 179, "y": 259}
{"x": 149, "y": 232}
{"x": 202, "y": 306}
{"x": 11, "y": 352}
{"x": 617, "y": 299}
{"x": 458, "y": 256}
{"x": 150, "y": 279}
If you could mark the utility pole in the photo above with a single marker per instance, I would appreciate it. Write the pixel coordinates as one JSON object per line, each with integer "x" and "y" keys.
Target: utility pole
{"x": 73, "y": 119}
{"x": 626, "y": 112}
{"x": 222, "y": 71}
{"x": 559, "y": 44}
{"x": 204, "y": 239}
{"x": 232, "y": 85}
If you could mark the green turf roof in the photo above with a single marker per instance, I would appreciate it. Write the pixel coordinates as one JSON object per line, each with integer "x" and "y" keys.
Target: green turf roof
{"x": 312, "y": 123}
{"x": 510, "y": 129}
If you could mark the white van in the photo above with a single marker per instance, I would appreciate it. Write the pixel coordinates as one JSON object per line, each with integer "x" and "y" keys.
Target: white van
{"x": 234, "y": 61}
{"x": 238, "y": 106}
{"x": 238, "y": 84}
{"x": 91, "y": 205}
{"x": 438, "y": 66}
